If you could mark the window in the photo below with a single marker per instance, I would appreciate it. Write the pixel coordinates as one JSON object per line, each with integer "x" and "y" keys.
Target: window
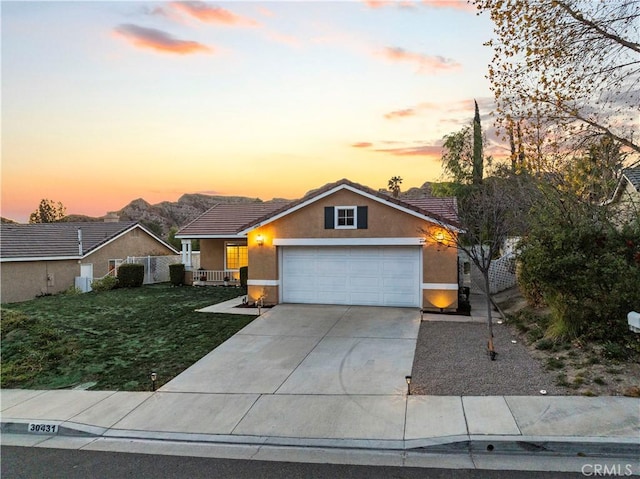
{"x": 345, "y": 217}
{"x": 236, "y": 256}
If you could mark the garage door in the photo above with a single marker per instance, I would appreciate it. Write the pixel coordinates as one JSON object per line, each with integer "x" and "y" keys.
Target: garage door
{"x": 372, "y": 275}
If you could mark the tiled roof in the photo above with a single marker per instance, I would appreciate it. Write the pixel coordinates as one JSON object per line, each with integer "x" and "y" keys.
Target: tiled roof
{"x": 441, "y": 209}
{"x": 633, "y": 175}
{"x": 56, "y": 240}
{"x": 225, "y": 220}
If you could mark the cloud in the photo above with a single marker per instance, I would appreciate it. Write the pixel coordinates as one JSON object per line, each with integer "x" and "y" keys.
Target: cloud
{"x": 425, "y": 63}
{"x": 362, "y": 144}
{"x": 158, "y": 40}
{"x": 422, "y": 150}
{"x": 462, "y": 5}
{"x": 400, "y": 113}
{"x": 211, "y": 13}
{"x": 453, "y": 4}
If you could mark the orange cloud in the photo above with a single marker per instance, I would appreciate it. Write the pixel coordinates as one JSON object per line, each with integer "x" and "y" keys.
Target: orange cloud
{"x": 455, "y": 4}
{"x": 362, "y": 144}
{"x": 400, "y": 113}
{"x": 211, "y": 14}
{"x": 423, "y": 150}
{"x": 158, "y": 40}
{"x": 425, "y": 63}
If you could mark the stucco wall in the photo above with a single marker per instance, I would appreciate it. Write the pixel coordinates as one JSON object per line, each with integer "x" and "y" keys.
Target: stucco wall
{"x": 22, "y": 281}
{"x": 133, "y": 243}
{"x": 212, "y": 254}
{"x": 25, "y": 280}
{"x": 440, "y": 262}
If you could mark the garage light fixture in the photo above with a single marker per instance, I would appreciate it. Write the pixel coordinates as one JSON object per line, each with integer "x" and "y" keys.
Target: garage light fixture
{"x": 440, "y": 237}
{"x": 260, "y": 240}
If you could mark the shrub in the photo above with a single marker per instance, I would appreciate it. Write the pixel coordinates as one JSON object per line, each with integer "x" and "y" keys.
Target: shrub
{"x": 131, "y": 275}
{"x": 244, "y": 276}
{"x": 104, "y": 284}
{"x": 176, "y": 274}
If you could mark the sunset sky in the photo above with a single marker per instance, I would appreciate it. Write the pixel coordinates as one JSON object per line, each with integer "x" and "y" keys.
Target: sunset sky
{"x": 105, "y": 102}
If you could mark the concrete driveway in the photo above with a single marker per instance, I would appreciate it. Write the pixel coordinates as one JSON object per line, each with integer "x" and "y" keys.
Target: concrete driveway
{"x": 311, "y": 350}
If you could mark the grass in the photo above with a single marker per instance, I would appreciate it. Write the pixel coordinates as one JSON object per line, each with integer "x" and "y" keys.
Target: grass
{"x": 112, "y": 338}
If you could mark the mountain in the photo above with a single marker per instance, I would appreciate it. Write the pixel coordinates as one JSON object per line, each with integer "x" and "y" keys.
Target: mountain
{"x": 161, "y": 217}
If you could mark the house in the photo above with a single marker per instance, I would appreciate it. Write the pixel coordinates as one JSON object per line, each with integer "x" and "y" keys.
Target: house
{"x": 626, "y": 197}
{"x": 343, "y": 243}
{"x": 45, "y": 258}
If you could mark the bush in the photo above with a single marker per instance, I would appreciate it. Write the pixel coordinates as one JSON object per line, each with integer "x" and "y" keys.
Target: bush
{"x": 104, "y": 284}
{"x": 244, "y": 276}
{"x": 176, "y": 274}
{"x": 131, "y": 275}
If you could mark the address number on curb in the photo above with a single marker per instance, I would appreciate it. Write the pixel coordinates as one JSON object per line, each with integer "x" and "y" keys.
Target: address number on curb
{"x": 42, "y": 428}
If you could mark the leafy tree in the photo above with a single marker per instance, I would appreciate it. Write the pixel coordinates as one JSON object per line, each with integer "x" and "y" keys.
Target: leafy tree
{"x": 394, "y": 185}
{"x": 48, "y": 212}
{"x": 478, "y": 159}
{"x": 565, "y": 70}
{"x": 172, "y": 240}
{"x": 463, "y": 157}
{"x": 593, "y": 175}
{"x": 583, "y": 266}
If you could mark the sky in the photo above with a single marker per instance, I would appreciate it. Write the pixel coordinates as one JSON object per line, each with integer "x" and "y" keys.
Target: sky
{"x": 106, "y": 102}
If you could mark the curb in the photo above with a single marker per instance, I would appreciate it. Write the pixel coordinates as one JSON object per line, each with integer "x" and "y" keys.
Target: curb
{"x": 561, "y": 446}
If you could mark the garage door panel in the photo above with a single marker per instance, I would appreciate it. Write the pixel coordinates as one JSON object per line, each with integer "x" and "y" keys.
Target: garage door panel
{"x": 376, "y": 276}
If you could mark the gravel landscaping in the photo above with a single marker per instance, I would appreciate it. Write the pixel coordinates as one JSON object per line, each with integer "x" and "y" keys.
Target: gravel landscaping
{"x": 451, "y": 360}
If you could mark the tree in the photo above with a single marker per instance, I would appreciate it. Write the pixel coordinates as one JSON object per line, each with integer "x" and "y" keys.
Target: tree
{"x": 594, "y": 174}
{"x": 394, "y": 185}
{"x": 488, "y": 214}
{"x": 478, "y": 159}
{"x": 48, "y": 212}
{"x": 566, "y": 70}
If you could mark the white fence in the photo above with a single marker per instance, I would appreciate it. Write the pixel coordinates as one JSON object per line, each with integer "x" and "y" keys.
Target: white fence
{"x": 502, "y": 273}
{"x": 156, "y": 268}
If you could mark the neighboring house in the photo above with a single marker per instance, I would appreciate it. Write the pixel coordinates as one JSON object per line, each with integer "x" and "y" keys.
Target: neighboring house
{"x": 626, "y": 197}
{"x": 341, "y": 244}
{"x": 45, "y": 258}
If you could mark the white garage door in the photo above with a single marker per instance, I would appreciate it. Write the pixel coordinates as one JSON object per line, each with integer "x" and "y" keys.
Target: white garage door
{"x": 371, "y": 275}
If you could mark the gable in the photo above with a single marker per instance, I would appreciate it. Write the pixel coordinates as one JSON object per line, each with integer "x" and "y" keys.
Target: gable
{"x": 356, "y": 196}
{"x": 372, "y": 219}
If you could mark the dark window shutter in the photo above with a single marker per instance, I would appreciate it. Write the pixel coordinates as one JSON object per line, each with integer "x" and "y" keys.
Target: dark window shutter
{"x": 329, "y": 218}
{"x": 363, "y": 220}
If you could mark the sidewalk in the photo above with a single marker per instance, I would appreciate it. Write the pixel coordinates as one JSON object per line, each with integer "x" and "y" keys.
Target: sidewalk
{"x": 388, "y": 428}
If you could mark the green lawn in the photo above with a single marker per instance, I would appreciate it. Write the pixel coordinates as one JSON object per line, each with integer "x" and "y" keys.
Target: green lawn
{"x": 114, "y": 338}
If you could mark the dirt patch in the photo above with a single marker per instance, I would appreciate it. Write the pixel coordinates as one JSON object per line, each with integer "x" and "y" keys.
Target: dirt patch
{"x": 580, "y": 367}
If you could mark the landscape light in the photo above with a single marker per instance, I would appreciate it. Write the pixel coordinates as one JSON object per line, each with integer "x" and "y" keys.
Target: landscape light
{"x": 408, "y": 379}
{"x": 154, "y": 376}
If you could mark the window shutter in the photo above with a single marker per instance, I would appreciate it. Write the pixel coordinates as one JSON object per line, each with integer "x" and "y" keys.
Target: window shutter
{"x": 329, "y": 218}
{"x": 363, "y": 221}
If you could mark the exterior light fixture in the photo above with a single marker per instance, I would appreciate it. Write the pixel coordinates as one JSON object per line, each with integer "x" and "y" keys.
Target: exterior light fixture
{"x": 440, "y": 237}
{"x": 154, "y": 377}
{"x": 260, "y": 240}
{"x": 408, "y": 379}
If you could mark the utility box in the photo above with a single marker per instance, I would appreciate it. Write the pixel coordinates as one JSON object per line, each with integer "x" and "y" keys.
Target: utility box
{"x": 633, "y": 319}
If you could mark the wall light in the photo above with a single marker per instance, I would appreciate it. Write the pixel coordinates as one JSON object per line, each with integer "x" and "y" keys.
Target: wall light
{"x": 440, "y": 237}
{"x": 260, "y": 240}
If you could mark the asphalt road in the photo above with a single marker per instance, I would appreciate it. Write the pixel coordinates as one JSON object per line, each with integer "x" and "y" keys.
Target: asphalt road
{"x": 32, "y": 462}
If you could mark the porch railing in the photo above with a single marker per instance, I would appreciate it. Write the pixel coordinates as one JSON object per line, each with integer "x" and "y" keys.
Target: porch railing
{"x": 215, "y": 276}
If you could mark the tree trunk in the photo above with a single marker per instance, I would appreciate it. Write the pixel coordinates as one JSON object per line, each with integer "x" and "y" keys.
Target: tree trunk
{"x": 490, "y": 348}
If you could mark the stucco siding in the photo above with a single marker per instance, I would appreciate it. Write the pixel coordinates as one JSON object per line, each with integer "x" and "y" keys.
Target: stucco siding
{"x": 22, "y": 281}
{"x": 439, "y": 261}
{"x": 133, "y": 243}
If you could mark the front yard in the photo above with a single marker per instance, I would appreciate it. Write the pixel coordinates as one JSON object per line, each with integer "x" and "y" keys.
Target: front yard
{"x": 114, "y": 339}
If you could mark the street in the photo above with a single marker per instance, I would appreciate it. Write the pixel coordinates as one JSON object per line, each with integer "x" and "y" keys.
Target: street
{"x": 31, "y": 462}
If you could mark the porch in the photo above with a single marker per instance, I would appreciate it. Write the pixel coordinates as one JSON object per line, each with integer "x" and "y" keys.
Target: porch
{"x": 208, "y": 277}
